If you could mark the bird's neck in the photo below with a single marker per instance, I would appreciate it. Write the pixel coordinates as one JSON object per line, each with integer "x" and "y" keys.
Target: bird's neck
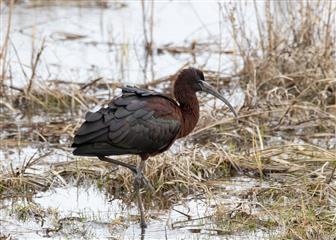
{"x": 190, "y": 111}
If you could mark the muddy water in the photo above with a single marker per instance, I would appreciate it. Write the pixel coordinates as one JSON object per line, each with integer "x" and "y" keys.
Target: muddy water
{"x": 81, "y": 44}
{"x": 85, "y": 212}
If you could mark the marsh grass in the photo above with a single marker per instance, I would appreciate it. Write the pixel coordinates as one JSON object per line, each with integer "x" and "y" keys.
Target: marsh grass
{"x": 284, "y": 132}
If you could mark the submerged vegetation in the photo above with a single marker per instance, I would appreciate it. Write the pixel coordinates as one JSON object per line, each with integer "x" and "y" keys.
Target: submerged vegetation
{"x": 285, "y": 136}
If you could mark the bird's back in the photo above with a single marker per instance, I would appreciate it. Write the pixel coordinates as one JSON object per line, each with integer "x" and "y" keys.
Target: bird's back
{"x": 138, "y": 122}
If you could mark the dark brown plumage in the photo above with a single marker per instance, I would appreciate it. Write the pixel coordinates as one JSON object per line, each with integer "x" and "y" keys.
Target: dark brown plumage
{"x": 143, "y": 122}
{"x": 139, "y": 122}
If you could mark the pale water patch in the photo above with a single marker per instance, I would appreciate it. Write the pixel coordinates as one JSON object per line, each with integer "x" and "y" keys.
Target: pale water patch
{"x": 85, "y": 212}
{"x": 62, "y": 212}
{"x": 82, "y": 44}
{"x": 40, "y": 153}
{"x": 110, "y": 44}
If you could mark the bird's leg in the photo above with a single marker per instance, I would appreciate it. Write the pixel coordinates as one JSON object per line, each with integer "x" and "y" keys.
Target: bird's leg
{"x": 117, "y": 162}
{"x": 141, "y": 178}
{"x": 131, "y": 167}
{"x": 138, "y": 183}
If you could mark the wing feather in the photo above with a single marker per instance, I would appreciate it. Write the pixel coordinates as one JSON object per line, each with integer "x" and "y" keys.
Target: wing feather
{"x": 135, "y": 105}
{"x": 121, "y": 137}
{"x": 122, "y": 113}
{"x": 93, "y": 116}
{"x": 81, "y": 139}
{"x": 115, "y": 134}
{"x": 108, "y": 116}
{"x": 147, "y": 115}
{"x": 131, "y": 124}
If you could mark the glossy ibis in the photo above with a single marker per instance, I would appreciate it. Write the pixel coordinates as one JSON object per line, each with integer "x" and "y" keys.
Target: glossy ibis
{"x": 144, "y": 123}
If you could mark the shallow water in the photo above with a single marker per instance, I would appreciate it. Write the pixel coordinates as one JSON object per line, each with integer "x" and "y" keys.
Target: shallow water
{"x": 87, "y": 213}
{"x": 81, "y": 44}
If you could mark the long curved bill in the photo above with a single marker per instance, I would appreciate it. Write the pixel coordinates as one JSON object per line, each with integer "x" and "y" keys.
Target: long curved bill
{"x": 206, "y": 87}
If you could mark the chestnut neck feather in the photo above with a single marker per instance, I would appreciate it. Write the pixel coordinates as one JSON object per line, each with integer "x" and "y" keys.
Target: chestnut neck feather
{"x": 189, "y": 107}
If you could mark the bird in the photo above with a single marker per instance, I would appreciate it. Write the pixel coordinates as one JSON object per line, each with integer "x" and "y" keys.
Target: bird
{"x": 144, "y": 123}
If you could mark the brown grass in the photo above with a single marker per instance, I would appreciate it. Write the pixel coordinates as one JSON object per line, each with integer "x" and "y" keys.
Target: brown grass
{"x": 284, "y": 132}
